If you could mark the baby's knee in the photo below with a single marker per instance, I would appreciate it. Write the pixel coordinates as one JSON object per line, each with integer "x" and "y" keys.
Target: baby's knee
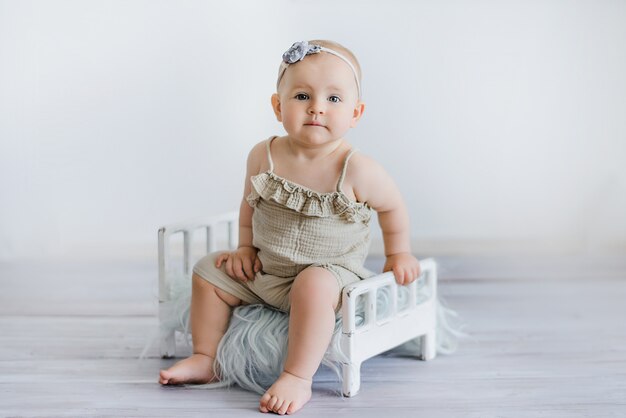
{"x": 203, "y": 286}
{"x": 315, "y": 284}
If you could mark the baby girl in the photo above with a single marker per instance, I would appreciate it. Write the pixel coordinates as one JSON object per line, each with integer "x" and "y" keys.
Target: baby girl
{"x": 303, "y": 225}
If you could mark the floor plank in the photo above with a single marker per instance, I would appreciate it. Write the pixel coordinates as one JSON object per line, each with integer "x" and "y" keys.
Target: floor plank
{"x": 70, "y": 338}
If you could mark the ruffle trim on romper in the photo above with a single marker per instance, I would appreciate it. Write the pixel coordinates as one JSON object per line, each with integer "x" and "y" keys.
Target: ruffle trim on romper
{"x": 269, "y": 186}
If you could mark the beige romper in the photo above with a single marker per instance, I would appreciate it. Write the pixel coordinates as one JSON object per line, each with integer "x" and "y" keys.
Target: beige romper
{"x": 293, "y": 228}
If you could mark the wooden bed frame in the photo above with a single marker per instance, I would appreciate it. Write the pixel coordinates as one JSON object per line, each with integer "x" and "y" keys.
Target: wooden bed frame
{"x": 365, "y": 333}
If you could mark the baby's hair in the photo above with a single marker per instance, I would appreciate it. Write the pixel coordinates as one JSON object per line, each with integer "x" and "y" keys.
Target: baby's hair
{"x": 342, "y": 50}
{"x": 349, "y": 55}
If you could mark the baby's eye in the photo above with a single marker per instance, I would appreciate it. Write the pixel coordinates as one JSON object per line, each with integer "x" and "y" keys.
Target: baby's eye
{"x": 302, "y": 96}
{"x": 334, "y": 99}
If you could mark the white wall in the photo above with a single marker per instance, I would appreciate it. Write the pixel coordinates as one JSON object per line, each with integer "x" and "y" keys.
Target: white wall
{"x": 502, "y": 122}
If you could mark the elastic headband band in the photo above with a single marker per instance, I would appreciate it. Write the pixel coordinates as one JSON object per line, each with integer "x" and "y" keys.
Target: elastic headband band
{"x": 299, "y": 50}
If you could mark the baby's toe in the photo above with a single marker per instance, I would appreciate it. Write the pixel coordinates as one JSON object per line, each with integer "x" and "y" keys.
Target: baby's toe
{"x": 293, "y": 408}
{"x": 283, "y": 408}
{"x": 263, "y": 403}
{"x": 164, "y": 377}
{"x": 271, "y": 404}
{"x": 278, "y": 405}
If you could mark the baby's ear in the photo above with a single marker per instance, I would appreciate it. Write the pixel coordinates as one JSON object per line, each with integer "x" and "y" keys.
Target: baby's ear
{"x": 358, "y": 112}
{"x": 276, "y": 106}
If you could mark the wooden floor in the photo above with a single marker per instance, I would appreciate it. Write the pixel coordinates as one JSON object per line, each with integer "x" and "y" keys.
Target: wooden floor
{"x": 548, "y": 340}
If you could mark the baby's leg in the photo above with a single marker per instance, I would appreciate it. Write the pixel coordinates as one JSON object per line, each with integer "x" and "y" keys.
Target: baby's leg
{"x": 314, "y": 297}
{"x": 211, "y": 308}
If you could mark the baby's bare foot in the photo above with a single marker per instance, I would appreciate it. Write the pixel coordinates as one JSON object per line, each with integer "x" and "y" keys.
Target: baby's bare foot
{"x": 195, "y": 369}
{"x": 287, "y": 395}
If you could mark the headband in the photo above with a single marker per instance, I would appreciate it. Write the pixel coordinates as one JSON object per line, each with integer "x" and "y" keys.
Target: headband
{"x": 299, "y": 50}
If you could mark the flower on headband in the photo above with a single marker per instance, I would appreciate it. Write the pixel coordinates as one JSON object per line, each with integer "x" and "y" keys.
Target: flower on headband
{"x": 299, "y": 50}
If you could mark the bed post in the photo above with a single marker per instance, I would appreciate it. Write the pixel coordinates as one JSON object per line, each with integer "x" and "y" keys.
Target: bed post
{"x": 167, "y": 340}
{"x": 429, "y": 340}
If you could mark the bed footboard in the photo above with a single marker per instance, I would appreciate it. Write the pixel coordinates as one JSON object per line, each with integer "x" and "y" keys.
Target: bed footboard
{"x": 171, "y": 264}
{"x": 367, "y": 332}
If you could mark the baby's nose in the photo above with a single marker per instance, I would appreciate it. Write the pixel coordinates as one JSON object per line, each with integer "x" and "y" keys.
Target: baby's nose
{"x": 316, "y": 109}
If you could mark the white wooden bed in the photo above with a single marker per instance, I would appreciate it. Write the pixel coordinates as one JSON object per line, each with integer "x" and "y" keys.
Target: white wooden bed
{"x": 366, "y": 332}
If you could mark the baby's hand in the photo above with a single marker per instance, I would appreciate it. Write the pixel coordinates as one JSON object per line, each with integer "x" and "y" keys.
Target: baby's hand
{"x": 405, "y": 267}
{"x": 241, "y": 264}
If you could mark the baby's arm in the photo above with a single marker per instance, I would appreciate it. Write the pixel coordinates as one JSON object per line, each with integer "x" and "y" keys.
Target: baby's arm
{"x": 373, "y": 185}
{"x": 243, "y": 263}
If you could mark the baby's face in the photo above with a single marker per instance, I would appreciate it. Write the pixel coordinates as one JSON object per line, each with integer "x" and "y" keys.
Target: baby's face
{"x": 317, "y": 100}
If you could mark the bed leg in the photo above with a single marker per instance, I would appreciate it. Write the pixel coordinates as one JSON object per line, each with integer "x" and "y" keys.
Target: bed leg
{"x": 429, "y": 346}
{"x": 167, "y": 338}
{"x": 351, "y": 379}
{"x": 168, "y": 344}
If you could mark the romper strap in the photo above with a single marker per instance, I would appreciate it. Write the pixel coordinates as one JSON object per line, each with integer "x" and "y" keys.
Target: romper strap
{"x": 343, "y": 171}
{"x": 269, "y": 154}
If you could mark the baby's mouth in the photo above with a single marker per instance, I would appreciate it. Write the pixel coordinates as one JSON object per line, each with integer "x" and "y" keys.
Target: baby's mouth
{"x": 314, "y": 124}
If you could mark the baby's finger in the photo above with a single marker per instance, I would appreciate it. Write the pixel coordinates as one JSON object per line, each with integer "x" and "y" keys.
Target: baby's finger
{"x": 238, "y": 269}
{"x": 398, "y": 272}
{"x": 220, "y": 259}
{"x": 247, "y": 269}
{"x": 257, "y": 265}
{"x": 229, "y": 267}
{"x": 408, "y": 276}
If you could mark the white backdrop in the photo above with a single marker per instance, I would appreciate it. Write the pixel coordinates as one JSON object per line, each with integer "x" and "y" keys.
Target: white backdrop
{"x": 503, "y": 122}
